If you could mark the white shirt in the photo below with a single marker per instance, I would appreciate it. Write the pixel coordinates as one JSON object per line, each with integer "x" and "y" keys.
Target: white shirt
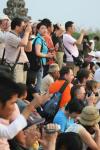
{"x": 46, "y": 82}
{"x": 11, "y": 130}
{"x": 12, "y": 49}
{"x": 2, "y": 42}
{"x": 69, "y": 43}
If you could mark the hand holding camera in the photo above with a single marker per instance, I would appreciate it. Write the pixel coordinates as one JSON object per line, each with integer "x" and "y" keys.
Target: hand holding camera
{"x": 28, "y": 28}
{"x": 90, "y": 97}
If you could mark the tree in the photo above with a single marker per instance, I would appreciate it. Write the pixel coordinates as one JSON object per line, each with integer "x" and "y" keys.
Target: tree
{"x": 15, "y": 8}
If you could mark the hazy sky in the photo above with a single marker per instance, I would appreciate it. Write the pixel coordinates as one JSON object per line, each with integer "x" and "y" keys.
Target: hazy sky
{"x": 83, "y": 12}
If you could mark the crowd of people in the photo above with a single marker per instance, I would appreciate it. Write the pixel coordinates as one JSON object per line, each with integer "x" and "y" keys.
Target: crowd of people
{"x": 49, "y": 86}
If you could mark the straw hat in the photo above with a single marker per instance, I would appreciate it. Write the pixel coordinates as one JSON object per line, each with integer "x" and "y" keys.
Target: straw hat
{"x": 89, "y": 116}
{"x": 53, "y": 67}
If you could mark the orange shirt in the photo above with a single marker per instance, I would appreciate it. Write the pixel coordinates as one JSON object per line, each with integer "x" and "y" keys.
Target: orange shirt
{"x": 50, "y": 45}
{"x": 49, "y": 41}
{"x": 66, "y": 96}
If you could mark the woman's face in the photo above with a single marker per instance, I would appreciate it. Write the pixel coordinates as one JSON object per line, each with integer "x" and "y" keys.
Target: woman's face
{"x": 43, "y": 30}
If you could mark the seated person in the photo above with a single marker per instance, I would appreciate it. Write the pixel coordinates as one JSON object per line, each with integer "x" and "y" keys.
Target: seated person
{"x": 53, "y": 74}
{"x": 69, "y": 141}
{"x": 88, "y": 128}
{"x": 66, "y": 117}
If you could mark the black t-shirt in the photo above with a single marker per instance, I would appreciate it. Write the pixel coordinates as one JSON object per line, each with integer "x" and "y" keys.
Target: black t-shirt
{"x": 58, "y": 40}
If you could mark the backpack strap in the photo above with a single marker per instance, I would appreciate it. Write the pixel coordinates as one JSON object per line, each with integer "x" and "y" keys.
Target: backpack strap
{"x": 13, "y": 67}
{"x": 68, "y": 51}
{"x": 2, "y": 60}
{"x": 33, "y": 45}
{"x": 63, "y": 86}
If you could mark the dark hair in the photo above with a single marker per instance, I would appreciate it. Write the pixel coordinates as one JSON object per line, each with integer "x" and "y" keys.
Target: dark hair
{"x": 39, "y": 25}
{"x": 86, "y": 37}
{"x": 63, "y": 71}
{"x": 81, "y": 74}
{"x": 74, "y": 90}
{"x": 56, "y": 27}
{"x": 16, "y": 22}
{"x": 92, "y": 64}
{"x": 68, "y": 24}
{"x": 46, "y": 22}
{"x": 90, "y": 85}
{"x": 69, "y": 141}
{"x": 74, "y": 107}
{"x": 96, "y": 38}
{"x": 8, "y": 88}
{"x": 22, "y": 89}
{"x": 85, "y": 64}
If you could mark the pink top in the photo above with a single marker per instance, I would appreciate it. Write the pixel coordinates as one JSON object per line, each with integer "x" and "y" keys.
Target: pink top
{"x": 3, "y": 142}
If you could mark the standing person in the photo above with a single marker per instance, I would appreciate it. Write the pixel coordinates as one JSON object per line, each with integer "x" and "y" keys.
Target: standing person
{"x": 70, "y": 44}
{"x": 53, "y": 74}
{"x": 4, "y": 28}
{"x": 14, "y": 44}
{"x": 49, "y": 42}
{"x": 58, "y": 43}
{"x": 40, "y": 53}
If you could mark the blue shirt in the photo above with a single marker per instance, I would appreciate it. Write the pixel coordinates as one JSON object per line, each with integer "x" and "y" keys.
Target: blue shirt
{"x": 44, "y": 47}
{"x": 61, "y": 119}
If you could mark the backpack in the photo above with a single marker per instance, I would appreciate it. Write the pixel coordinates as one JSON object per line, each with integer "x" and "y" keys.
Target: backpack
{"x": 52, "y": 106}
{"x": 34, "y": 60}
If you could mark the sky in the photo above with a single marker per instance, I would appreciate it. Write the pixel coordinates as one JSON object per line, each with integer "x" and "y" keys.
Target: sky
{"x": 85, "y": 13}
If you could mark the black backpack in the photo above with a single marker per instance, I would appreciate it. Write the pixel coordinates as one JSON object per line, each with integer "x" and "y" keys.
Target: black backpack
{"x": 34, "y": 60}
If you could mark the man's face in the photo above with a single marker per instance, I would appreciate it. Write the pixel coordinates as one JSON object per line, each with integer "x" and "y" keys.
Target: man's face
{"x": 69, "y": 76}
{"x": 72, "y": 29}
{"x": 56, "y": 74}
{"x": 5, "y": 24}
{"x": 21, "y": 27}
{"x": 7, "y": 110}
{"x": 81, "y": 93}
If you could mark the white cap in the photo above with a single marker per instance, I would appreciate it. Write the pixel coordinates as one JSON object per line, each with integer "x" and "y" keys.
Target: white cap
{"x": 97, "y": 75}
{"x": 3, "y": 17}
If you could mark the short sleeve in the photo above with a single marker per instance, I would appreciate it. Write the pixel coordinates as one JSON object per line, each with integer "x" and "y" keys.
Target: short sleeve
{"x": 13, "y": 40}
{"x": 68, "y": 39}
{"x": 38, "y": 41}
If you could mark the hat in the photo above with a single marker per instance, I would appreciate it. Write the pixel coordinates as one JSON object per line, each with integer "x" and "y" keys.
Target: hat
{"x": 53, "y": 67}
{"x": 89, "y": 116}
{"x": 97, "y": 75}
{"x": 3, "y": 17}
{"x": 92, "y": 53}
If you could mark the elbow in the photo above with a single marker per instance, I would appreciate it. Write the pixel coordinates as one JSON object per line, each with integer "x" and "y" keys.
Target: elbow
{"x": 22, "y": 43}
